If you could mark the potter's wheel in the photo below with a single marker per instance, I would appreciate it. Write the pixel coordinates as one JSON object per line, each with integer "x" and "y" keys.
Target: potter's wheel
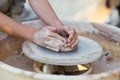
{"x": 88, "y": 51}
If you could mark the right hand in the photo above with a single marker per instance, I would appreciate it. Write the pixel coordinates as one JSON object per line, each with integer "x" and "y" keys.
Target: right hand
{"x": 72, "y": 40}
{"x": 47, "y": 38}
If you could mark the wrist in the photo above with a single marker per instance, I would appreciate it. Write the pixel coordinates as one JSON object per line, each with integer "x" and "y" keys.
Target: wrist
{"x": 33, "y": 32}
{"x": 57, "y": 24}
{"x": 27, "y": 32}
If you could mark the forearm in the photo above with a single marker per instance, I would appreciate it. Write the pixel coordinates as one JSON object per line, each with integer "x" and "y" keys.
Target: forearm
{"x": 14, "y": 28}
{"x": 43, "y": 9}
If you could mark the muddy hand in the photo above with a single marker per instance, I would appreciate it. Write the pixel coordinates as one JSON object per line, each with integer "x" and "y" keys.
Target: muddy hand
{"x": 72, "y": 40}
{"x": 47, "y": 38}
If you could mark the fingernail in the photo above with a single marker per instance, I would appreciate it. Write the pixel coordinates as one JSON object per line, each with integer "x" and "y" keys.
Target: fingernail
{"x": 65, "y": 45}
{"x": 72, "y": 46}
{"x": 69, "y": 45}
{"x": 68, "y": 41}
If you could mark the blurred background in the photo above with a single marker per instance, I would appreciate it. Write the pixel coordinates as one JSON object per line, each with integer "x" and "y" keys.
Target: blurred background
{"x": 103, "y": 11}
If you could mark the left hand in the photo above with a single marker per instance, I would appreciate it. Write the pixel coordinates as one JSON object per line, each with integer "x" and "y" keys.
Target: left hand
{"x": 65, "y": 31}
{"x": 46, "y": 37}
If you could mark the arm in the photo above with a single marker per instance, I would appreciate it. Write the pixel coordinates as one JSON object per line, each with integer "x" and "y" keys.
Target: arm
{"x": 14, "y": 28}
{"x": 47, "y": 14}
{"x": 37, "y": 36}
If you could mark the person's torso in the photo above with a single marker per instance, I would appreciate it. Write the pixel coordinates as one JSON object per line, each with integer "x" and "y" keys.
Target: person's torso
{"x": 5, "y": 5}
{"x": 12, "y": 8}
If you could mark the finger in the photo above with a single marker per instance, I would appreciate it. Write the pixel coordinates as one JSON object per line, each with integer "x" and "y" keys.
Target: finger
{"x": 55, "y": 35}
{"x": 63, "y": 33}
{"x": 75, "y": 44}
{"x": 53, "y": 29}
{"x": 65, "y": 45}
{"x": 73, "y": 41}
{"x": 71, "y": 36}
{"x": 71, "y": 33}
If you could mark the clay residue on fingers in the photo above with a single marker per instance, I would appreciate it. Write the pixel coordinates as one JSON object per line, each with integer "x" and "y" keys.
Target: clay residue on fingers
{"x": 47, "y": 39}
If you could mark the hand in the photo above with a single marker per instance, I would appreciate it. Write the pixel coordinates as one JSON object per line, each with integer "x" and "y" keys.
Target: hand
{"x": 48, "y": 39}
{"x": 65, "y": 31}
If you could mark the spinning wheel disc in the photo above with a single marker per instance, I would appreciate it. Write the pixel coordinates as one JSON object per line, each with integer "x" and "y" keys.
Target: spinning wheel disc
{"x": 88, "y": 51}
